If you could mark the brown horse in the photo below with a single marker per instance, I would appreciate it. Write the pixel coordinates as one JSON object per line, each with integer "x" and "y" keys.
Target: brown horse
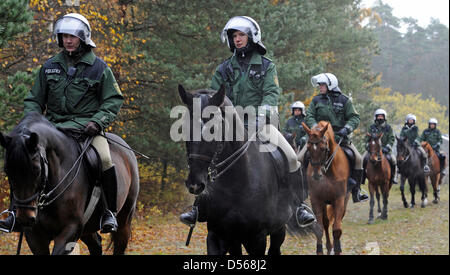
{"x": 378, "y": 174}
{"x": 327, "y": 176}
{"x": 435, "y": 175}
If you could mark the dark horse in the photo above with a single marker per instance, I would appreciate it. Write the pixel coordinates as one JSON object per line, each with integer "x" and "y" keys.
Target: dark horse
{"x": 244, "y": 196}
{"x": 38, "y": 157}
{"x": 435, "y": 173}
{"x": 410, "y": 167}
{"x": 327, "y": 174}
{"x": 378, "y": 174}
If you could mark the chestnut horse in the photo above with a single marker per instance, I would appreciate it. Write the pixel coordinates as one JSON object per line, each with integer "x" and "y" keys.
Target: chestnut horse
{"x": 327, "y": 176}
{"x": 378, "y": 174}
{"x": 435, "y": 175}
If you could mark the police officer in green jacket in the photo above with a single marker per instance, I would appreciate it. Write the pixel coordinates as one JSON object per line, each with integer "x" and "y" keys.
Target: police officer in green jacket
{"x": 433, "y": 136}
{"x": 294, "y": 124}
{"x": 77, "y": 88}
{"x": 380, "y": 125}
{"x": 251, "y": 80}
{"x": 333, "y": 106}
{"x": 411, "y": 132}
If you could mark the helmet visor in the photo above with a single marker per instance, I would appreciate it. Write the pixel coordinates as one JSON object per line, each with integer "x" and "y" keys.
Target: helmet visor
{"x": 73, "y": 26}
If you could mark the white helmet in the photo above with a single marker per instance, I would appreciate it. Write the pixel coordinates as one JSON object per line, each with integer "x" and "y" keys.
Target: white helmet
{"x": 298, "y": 105}
{"x": 433, "y": 120}
{"x": 410, "y": 116}
{"x": 380, "y": 112}
{"x": 74, "y": 24}
{"x": 326, "y": 78}
{"x": 244, "y": 24}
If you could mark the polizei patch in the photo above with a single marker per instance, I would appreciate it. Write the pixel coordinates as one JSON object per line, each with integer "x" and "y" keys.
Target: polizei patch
{"x": 52, "y": 71}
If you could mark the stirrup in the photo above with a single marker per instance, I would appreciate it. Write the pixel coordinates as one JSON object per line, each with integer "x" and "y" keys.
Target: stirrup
{"x": 14, "y": 221}
{"x": 306, "y": 207}
{"x": 101, "y": 222}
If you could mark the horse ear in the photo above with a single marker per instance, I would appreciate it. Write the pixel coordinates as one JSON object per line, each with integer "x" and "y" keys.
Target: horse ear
{"x": 32, "y": 142}
{"x": 4, "y": 140}
{"x": 185, "y": 96}
{"x": 218, "y": 98}
{"x": 306, "y": 128}
{"x": 324, "y": 129}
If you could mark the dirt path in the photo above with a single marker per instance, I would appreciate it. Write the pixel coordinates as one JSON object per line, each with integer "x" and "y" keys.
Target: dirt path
{"x": 407, "y": 231}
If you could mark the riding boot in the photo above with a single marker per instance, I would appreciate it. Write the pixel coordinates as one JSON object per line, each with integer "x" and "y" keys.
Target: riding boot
{"x": 194, "y": 215}
{"x": 356, "y": 191}
{"x": 109, "y": 186}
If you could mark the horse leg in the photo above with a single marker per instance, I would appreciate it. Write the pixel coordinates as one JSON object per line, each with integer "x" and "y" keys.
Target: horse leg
{"x": 402, "y": 190}
{"x": 38, "y": 241}
{"x": 377, "y": 190}
{"x": 93, "y": 242}
{"x": 276, "y": 240}
{"x": 412, "y": 189}
{"x": 371, "y": 202}
{"x": 434, "y": 184}
{"x": 215, "y": 245}
{"x": 318, "y": 232}
{"x": 385, "y": 193}
{"x": 326, "y": 226}
{"x": 339, "y": 210}
{"x": 256, "y": 245}
{"x": 70, "y": 234}
{"x": 424, "y": 191}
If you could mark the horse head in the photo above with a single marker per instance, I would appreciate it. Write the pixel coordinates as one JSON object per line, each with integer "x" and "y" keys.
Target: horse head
{"x": 318, "y": 147}
{"x": 26, "y": 167}
{"x": 375, "y": 146}
{"x": 201, "y": 151}
{"x": 403, "y": 149}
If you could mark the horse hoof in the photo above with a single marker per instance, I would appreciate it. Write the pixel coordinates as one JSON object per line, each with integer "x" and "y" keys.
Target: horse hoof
{"x": 384, "y": 217}
{"x": 411, "y": 206}
{"x": 370, "y": 221}
{"x": 435, "y": 201}
{"x": 405, "y": 204}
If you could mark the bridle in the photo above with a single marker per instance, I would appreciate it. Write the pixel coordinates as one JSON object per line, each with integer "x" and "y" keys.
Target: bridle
{"x": 43, "y": 198}
{"x": 378, "y": 153}
{"x": 225, "y": 164}
{"x": 326, "y": 161}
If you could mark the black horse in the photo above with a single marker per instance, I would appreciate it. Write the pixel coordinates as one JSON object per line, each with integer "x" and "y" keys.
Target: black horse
{"x": 39, "y": 159}
{"x": 244, "y": 197}
{"x": 410, "y": 167}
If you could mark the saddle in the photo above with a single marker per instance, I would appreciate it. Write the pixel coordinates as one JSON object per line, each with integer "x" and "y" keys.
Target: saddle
{"x": 350, "y": 155}
{"x": 278, "y": 158}
{"x": 91, "y": 159}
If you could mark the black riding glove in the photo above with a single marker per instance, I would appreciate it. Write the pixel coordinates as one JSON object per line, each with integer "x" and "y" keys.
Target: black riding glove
{"x": 343, "y": 132}
{"x": 92, "y": 129}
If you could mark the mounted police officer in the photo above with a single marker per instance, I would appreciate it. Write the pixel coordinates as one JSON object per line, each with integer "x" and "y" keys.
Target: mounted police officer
{"x": 251, "y": 80}
{"x": 380, "y": 125}
{"x": 77, "y": 88}
{"x": 411, "y": 132}
{"x": 433, "y": 136}
{"x": 294, "y": 124}
{"x": 333, "y": 106}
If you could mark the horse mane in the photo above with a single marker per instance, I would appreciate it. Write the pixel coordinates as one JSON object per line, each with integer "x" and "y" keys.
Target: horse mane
{"x": 28, "y": 120}
{"x": 427, "y": 147}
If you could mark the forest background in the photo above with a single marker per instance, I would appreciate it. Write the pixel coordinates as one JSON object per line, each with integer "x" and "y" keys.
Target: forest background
{"x": 153, "y": 45}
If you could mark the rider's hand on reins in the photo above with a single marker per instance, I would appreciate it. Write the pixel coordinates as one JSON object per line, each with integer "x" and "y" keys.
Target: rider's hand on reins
{"x": 92, "y": 129}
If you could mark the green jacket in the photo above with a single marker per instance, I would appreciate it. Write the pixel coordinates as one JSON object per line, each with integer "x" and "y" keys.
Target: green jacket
{"x": 334, "y": 107}
{"x": 433, "y": 137}
{"x": 412, "y": 133}
{"x": 249, "y": 87}
{"x": 388, "y": 138}
{"x": 294, "y": 125}
{"x": 92, "y": 94}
